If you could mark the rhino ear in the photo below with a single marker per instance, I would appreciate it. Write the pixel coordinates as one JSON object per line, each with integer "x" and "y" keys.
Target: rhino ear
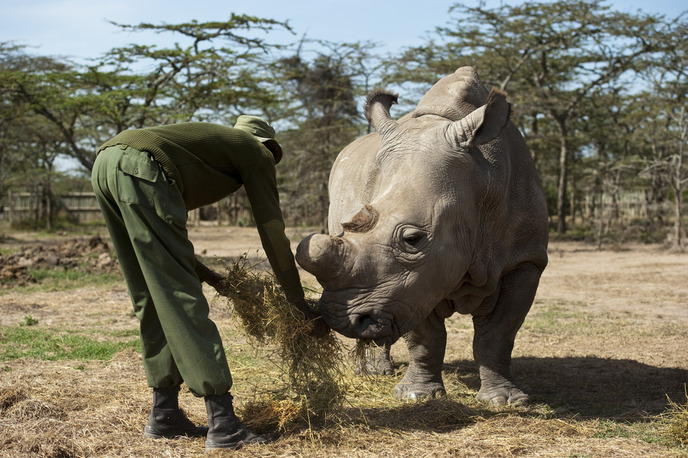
{"x": 483, "y": 124}
{"x": 361, "y": 221}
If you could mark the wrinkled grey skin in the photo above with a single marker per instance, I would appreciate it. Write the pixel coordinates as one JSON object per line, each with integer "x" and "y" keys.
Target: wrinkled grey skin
{"x": 439, "y": 213}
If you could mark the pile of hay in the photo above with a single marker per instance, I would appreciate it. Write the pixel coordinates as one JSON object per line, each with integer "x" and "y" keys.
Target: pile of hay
{"x": 675, "y": 421}
{"x": 314, "y": 365}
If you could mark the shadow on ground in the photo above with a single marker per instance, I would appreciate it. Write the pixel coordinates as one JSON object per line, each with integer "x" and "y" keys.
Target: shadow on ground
{"x": 433, "y": 415}
{"x": 590, "y": 386}
{"x": 580, "y": 387}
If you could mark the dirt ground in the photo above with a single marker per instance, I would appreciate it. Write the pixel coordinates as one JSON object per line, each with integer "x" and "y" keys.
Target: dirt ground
{"x": 604, "y": 345}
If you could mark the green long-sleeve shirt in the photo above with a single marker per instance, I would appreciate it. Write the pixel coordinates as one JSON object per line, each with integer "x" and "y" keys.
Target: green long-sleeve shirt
{"x": 209, "y": 162}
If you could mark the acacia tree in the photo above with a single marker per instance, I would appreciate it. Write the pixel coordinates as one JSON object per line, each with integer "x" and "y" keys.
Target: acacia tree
{"x": 550, "y": 56}
{"x": 667, "y": 121}
{"x": 41, "y": 145}
{"x": 12, "y": 61}
{"x": 210, "y": 77}
{"x": 29, "y": 144}
{"x": 321, "y": 117}
{"x": 611, "y": 127}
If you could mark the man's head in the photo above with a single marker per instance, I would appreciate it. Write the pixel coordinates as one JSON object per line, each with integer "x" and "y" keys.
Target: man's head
{"x": 262, "y": 131}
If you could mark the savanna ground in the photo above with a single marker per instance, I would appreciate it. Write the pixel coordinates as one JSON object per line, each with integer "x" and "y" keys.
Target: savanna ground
{"x": 602, "y": 353}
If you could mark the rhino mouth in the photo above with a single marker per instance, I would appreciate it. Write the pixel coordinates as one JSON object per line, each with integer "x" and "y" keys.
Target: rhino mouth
{"x": 378, "y": 330}
{"x": 365, "y": 323}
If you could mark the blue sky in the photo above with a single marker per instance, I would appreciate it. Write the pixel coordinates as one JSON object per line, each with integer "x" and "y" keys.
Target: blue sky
{"x": 80, "y": 29}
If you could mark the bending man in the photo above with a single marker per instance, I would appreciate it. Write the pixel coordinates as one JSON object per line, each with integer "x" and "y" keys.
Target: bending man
{"x": 145, "y": 181}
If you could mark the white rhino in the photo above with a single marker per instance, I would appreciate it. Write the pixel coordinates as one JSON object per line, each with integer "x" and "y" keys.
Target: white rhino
{"x": 441, "y": 212}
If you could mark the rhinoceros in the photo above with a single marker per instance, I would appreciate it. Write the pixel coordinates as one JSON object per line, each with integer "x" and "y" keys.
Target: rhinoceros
{"x": 438, "y": 213}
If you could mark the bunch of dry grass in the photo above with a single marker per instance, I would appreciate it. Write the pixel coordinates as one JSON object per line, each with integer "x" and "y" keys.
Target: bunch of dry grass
{"x": 268, "y": 415}
{"x": 369, "y": 357}
{"x": 313, "y": 365}
{"x": 10, "y": 396}
{"x": 675, "y": 421}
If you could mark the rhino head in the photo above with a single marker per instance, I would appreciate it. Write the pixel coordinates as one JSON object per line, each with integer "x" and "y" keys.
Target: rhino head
{"x": 398, "y": 255}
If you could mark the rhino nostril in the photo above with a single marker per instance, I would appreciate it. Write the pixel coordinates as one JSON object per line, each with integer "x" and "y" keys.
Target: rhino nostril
{"x": 363, "y": 321}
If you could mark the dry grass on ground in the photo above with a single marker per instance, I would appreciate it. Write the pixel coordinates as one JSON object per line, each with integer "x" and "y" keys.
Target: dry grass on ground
{"x": 604, "y": 354}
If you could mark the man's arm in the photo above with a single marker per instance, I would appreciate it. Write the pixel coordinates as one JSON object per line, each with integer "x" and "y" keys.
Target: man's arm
{"x": 202, "y": 270}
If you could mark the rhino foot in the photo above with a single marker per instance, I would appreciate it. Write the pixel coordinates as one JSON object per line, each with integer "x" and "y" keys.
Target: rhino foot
{"x": 498, "y": 389}
{"x": 507, "y": 394}
{"x": 419, "y": 391}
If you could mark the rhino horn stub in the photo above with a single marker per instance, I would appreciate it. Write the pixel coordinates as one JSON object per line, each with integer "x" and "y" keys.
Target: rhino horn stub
{"x": 483, "y": 124}
{"x": 376, "y": 111}
{"x": 320, "y": 255}
{"x": 363, "y": 221}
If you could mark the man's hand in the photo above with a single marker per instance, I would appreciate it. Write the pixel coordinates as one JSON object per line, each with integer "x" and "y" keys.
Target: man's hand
{"x": 320, "y": 328}
{"x": 215, "y": 280}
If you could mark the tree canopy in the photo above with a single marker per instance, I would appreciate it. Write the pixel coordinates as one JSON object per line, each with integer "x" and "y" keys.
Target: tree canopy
{"x": 599, "y": 95}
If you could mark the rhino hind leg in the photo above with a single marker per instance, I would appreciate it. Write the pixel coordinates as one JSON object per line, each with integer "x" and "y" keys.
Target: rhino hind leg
{"x": 426, "y": 346}
{"x": 376, "y": 361}
{"x": 495, "y": 333}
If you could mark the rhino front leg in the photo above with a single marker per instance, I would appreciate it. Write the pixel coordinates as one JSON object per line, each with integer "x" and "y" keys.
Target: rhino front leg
{"x": 426, "y": 345}
{"x": 495, "y": 334}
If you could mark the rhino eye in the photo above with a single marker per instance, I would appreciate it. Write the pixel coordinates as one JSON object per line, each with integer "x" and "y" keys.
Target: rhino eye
{"x": 413, "y": 239}
{"x": 410, "y": 244}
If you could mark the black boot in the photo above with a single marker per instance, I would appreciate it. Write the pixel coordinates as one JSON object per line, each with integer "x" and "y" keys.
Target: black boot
{"x": 226, "y": 431}
{"x": 167, "y": 420}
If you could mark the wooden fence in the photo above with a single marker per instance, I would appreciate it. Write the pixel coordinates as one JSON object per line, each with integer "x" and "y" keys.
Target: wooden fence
{"x": 627, "y": 206}
{"x": 83, "y": 207}
{"x": 21, "y": 206}
{"x": 235, "y": 211}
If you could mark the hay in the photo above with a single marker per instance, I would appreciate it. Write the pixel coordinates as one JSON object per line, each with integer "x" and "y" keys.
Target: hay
{"x": 10, "y": 396}
{"x": 268, "y": 415}
{"x": 360, "y": 354}
{"x": 369, "y": 358}
{"x": 33, "y": 409}
{"x": 313, "y": 365}
{"x": 675, "y": 421}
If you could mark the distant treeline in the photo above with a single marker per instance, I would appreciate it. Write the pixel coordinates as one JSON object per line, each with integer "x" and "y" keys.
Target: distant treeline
{"x": 599, "y": 94}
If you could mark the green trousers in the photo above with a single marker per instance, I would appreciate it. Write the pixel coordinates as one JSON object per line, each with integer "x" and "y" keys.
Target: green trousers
{"x": 146, "y": 217}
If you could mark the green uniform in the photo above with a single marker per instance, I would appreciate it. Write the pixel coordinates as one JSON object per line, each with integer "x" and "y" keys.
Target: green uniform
{"x": 145, "y": 180}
